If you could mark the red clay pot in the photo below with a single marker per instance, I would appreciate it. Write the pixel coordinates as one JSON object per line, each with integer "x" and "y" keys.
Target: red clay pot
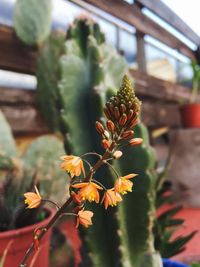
{"x": 190, "y": 115}
{"x": 20, "y": 240}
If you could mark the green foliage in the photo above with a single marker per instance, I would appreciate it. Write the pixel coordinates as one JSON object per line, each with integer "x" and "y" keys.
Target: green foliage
{"x": 32, "y": 20}
{"x": 7, "y": 144}
{"x": 166, "y": 225}
{"x": 42, "y": 158}
{"x": 39, "y": 165}
{"x": 195, "y": 80}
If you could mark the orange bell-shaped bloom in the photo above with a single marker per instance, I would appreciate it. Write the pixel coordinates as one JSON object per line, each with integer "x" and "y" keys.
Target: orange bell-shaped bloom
{"x": 73, "y": 165}
{"x": 85, "y": 218}
{"x": 111, "y": 198}
{"x": 33, "y": 200}
{"x": 123, "y": 185}
{"x": 88, "y": 191}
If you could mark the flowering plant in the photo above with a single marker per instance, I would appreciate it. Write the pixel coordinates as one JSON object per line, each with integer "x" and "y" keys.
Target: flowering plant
{"x": 122, "y": 112}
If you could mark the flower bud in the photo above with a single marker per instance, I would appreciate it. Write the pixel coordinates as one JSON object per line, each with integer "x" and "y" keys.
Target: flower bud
{"x": 117, "y": 154}
{"x": 110, "y": 125}
{"x": 123, "y": 119}
{"x": 122, "y": 108}
{"x": 107, "y": 113}
{"x": 134, "y": 122}
{"x": 116, "y": 112}
{"x": 106, "y": 134}
{"x": 105, "y": 143}
{"x": 110, "y": 106}
{"x": 99, "y": 127}
{"x": 130, "y": 114}
{"x": 135, "y": 141}
{"x": 127, "y": 134}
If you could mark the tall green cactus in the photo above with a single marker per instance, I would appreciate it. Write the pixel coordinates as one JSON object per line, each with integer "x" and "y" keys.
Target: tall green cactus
{"x": 137, "y": 212}
{"x": 87, "y": 70}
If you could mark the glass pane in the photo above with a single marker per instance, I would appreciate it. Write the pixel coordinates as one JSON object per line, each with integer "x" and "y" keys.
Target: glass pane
{"x": 127, "y": 46}
{"x": 160, "y": 64}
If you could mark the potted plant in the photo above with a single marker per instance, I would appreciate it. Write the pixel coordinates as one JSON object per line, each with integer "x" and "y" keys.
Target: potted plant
{"x": 190, "y": 113}
{"x": 17, "y": 175}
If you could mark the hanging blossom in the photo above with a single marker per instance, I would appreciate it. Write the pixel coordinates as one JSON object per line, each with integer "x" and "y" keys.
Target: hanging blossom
{"x": 73, "y": 165}
{"x": 123, "y": 185}
{"x": 111, "y": 198}
{"x": 33, "y": 200}
{"x": 84, "y": 217}
{"x": 88, "y": 191}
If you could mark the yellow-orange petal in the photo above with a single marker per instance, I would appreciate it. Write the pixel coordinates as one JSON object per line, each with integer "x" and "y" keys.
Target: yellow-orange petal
{"x": 85, "y": 218}
{"x": 123, "y": 185}
{"x": 33, "y": 200}
{"x": 111, "y": 198}
{"x": 81, "y": 185}
{"x": 73, "y": 165}
{"x": 129, "y": 176}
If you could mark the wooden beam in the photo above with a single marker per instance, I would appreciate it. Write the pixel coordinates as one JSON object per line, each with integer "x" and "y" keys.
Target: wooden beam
{"x": 133, "y": 16}
{"x": 160, "y": 114}
{"x": 152, "y": 87}
{"x": 14, "y": 55}
{"x": 165, "y": 13}
{"x": 21, "y": 111}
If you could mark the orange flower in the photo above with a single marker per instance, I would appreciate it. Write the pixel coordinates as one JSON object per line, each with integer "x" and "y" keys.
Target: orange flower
{"x": 123, "y": 185}
{"x": 33, "y": 200}
{"x": 84, "y": 217}
{"x": 73, "y": 165}
{"x": 111, "y": 198}
{"x": 88, "y": 191}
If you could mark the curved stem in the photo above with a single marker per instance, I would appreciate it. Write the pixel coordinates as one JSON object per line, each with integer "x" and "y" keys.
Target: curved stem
{"x": 91, "y": 153}
{"x": 114, "y": 170}
{"x": 87, "y": 162}
{"x": 50, "y": 201}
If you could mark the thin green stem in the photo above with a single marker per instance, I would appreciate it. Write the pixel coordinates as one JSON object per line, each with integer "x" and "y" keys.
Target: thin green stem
{"x": 91, "y": 153}
{"x": 114, "y": 170}
{"x": 52, "y": 202}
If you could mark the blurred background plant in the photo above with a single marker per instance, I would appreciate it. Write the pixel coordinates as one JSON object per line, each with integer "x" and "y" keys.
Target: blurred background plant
{"x": 36, "y": 166}
{"x": 195, "y": 81}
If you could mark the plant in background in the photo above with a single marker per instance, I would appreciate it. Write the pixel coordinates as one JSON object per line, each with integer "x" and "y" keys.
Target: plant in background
{"x": 195, "y": 81}
{"x": 86, "y": 184}
{"x": 18, "y": 174}
{"x": 32, "y": 20}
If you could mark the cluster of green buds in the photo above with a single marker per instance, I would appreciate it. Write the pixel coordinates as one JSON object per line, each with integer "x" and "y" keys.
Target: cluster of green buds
{"x": 122, "y": 112}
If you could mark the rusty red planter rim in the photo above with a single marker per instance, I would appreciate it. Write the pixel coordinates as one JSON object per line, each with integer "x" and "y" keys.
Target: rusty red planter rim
{"x": 26, "y": 229}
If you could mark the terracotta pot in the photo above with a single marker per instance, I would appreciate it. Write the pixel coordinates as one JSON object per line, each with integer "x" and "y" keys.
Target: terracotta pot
{"x": 190, "y": 115}
{"x": 20, "y": 240}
